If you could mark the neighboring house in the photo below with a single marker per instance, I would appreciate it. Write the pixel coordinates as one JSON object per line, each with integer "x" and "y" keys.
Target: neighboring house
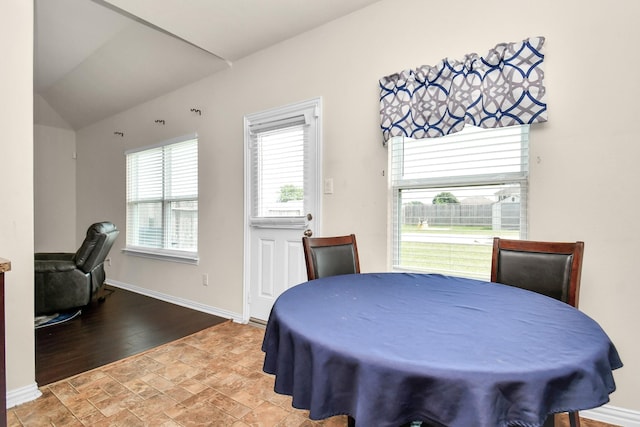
{"x": 508, "y": 196}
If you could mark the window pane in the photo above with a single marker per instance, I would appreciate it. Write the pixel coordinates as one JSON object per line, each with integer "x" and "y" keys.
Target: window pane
{"x": 144, "y": 225}
{"x": 280, "y": 166}
{"x": 450, "y": 230}
{"x": 183, "y": 225}
{"x": 181, "y": 175}
{"x": 144, "y": 175}
{"x": 472, "y": 152}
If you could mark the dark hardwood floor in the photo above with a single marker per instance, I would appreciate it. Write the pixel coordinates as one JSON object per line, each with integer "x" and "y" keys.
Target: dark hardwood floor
{"x": 124, "y": 324}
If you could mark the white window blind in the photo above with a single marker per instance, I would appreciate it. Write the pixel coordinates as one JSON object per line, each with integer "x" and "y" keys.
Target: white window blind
{"x": 278, "y": 167}
{"x": 453, "y": 194}
{"x": 162, "y": 199}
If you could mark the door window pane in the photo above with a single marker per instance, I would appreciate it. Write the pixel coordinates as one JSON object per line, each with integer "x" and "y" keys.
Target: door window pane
{"x": 279, "y": 172}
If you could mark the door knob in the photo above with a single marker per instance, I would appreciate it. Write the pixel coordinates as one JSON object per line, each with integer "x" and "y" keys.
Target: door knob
{"x": 308, "y": 232}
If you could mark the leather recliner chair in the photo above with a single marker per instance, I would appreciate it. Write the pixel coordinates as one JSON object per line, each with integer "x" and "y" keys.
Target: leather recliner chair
{"x": 68, "y": 280}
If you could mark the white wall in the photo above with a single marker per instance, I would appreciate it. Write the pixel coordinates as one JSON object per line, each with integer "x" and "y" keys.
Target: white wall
{"x": 583, "y": 158}
{"x": 54, "y": 183}
{"x": 45, "y": 115}
{"x": 16, "y": 179}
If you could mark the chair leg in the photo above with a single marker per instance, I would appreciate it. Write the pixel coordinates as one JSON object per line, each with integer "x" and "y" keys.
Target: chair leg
{"x": 550, "y": 421}
{"x": 574, "y": 419}
{"x": 351, "y": 422}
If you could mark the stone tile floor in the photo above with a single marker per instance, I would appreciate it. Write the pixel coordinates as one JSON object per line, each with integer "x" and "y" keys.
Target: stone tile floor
{"x": 211, "y": 378}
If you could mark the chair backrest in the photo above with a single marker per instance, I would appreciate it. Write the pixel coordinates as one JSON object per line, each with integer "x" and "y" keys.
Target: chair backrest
{"x": 96, "y": 245}
{"x": 330, "y": 256}
{"x": 549, "y": 268}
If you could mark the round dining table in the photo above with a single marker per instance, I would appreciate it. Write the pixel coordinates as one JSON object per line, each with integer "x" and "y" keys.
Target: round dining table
{"x": 392, "y": 348}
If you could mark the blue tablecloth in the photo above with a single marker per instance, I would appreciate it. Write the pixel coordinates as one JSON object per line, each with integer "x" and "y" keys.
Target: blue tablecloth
{"x": 390, "y": 348}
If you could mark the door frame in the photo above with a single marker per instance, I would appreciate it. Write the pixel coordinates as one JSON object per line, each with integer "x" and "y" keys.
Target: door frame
{"x": 315, "y": 163}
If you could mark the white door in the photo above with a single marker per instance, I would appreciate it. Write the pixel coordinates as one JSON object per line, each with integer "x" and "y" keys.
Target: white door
{"x": 282, "y": 200}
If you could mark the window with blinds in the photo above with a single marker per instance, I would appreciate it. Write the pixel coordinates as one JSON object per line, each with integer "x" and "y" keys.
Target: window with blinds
{"x": 278, "y": 158}
{"x": 282, "y": 148}
{"x": 453, "y": 194}
{"x": 162, "y": 199}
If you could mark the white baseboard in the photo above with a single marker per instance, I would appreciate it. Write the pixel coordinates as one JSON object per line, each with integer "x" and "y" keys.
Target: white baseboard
{"x": 22, "y": 395}
{"x": 236, "y": 317}
{"x": 613, "y": 415}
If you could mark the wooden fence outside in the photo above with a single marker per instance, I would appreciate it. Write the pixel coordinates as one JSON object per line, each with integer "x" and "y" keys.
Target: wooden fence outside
{"x": 498, "y": 216}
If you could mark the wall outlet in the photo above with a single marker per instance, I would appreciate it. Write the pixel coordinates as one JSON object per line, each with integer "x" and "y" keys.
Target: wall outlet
{"x": 205, "y": 279}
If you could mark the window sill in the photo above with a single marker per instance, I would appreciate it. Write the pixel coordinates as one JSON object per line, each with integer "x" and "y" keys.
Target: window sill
{"x": 184, "y": 258}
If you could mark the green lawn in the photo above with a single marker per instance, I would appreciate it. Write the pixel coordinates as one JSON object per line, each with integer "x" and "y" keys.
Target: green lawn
{"x": 465, "y": 259}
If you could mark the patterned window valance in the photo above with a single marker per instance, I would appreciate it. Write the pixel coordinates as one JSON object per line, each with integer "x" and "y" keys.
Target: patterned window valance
{"x": 503, "y": 88}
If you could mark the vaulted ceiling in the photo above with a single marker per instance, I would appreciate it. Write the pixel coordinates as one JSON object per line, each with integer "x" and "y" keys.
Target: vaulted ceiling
{"x": 94, "y": 58}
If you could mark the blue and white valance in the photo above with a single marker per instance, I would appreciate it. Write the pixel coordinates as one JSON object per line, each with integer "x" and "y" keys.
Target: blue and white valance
{"x": 503, "y": 88}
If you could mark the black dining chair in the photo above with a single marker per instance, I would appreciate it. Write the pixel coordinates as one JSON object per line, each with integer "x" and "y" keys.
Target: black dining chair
{"x": 549, "y": 268}
{"x": 330, "y": 256}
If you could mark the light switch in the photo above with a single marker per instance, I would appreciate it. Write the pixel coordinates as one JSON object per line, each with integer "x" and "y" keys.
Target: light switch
{"x": 328, "y": 186}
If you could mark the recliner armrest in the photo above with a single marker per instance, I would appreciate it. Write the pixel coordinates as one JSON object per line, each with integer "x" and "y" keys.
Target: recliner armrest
{"x": 53, "y": 256}
{"x": 54, "y": 266}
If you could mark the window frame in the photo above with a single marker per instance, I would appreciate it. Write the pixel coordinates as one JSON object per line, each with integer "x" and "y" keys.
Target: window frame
{"x": 164, "y": 252}
{"x": 397, "y": 184}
